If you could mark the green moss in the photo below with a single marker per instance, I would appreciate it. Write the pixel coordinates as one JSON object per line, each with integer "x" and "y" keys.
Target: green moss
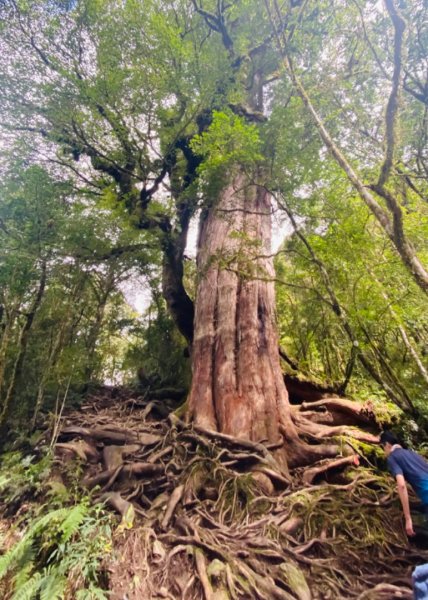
{"x": 181, "y": 411}
{"x": 296, "y": 580}
{"x": 373, "y": 452}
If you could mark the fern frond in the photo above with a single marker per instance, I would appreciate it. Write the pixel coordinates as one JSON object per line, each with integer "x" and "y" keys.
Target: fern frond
{"x": 94, "y": 593}
{"x": 73, "y": 521}
{"x": 59, "y": 515}
{"x": 23, "y": 574}
{"x": 15, "y": 555}
{"x": 29, "y": 590}
{"x": 53, "y": 586}
{"x": 4, "y": 481}
{"x": 52, "y": 539}
{"x": 18, "y": 552}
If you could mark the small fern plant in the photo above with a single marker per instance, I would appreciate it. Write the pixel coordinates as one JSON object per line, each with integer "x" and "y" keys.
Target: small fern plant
{"x": 59, "y": 556}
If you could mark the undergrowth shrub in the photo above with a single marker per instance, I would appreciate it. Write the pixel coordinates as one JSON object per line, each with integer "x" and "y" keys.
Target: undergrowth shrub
{"x": 60, "y": 545}
{"x": 22, "y": 477}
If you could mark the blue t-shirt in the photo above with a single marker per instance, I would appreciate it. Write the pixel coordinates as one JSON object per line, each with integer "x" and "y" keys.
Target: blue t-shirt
{"x": 413, "y": 467}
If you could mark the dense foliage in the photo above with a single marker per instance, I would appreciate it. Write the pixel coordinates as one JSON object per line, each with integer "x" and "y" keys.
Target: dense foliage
{"x": 123, "y": 138}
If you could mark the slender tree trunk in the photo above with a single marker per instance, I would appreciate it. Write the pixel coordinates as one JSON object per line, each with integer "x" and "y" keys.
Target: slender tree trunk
{"x": 4, "y": 344}
{"x": 394, "y": 228}
{"x": 237, "y": 386}
{"x": 390, "y": 375}
{"x": 414, "y": 353}
{"x": 23, "y": 342}
{"x": 179, "y": 303}
{"x": 95, "y": 329}
{"x": 336, "y": 307}
{"x": 407, "y": 341}
{"x": 53, "y": 356}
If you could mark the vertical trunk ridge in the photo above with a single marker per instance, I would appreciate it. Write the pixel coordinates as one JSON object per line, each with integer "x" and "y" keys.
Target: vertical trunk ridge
{"x": 237, "y": 385}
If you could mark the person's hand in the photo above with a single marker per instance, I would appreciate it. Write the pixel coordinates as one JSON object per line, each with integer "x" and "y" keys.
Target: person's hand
{"x": 409, "y": 527}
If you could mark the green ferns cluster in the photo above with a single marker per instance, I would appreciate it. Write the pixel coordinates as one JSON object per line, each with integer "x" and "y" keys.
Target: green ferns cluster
{"x": 60, "y": 553}
{"x": 62, "y": 542}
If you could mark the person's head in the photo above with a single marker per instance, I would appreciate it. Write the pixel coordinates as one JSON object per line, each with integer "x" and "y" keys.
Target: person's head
{"x": 387, "y": 440}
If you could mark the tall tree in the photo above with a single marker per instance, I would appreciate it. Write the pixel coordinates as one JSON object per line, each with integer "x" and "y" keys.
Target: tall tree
{"x": 166, "y": 109}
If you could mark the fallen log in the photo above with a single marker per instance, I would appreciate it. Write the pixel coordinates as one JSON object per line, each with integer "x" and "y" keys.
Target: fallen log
{"x": 175, "y": 498}
{"x": 102, "y": 435}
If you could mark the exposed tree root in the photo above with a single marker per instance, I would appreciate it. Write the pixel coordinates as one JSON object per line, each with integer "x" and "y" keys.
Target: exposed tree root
{"x": 310, "y": 474}
{"x": 318, "y": 430}
{"x": 115, "y": 500}
{"x": 336, "y": 409}
{"x": 217, "y": 519}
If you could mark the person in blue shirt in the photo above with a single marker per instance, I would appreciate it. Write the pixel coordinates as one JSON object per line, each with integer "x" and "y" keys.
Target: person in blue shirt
{"x": 406, "y": 466}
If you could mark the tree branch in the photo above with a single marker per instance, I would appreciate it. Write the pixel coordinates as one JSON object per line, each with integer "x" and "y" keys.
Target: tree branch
{"x": 394, "y": 230}
{"x": 217, "y": 24}
{"x": 392, "y": 106}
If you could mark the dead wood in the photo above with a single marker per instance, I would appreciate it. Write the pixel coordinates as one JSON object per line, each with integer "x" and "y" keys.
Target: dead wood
{"x": 112, "y": 478}
{"x": 113, "y": 436}
{"x": 319, "y": 431}
{"x": 81, "y": 448}
{"x": 304, "y": 390}
{"x": 202, "y": 573}
{"x": 112, "y": 457}
{"x": 264, "y": 482}
{"x": 290, "y": 526}
{"x": 103, "y": 435}
{"x": 385, "y": 591}
{"x": 148, "y": 439}
{"x": 158, "y": 455}
{"x": 91, "y": 482}
{"x": 168, "y": 393}
{"x": 131, "y": 449}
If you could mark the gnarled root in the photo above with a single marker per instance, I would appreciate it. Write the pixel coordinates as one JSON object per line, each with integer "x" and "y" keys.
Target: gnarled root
{"x": 223, "y": 521}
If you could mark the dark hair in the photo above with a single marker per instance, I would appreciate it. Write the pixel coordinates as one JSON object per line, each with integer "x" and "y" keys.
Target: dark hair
{"x": 387, "y": 437}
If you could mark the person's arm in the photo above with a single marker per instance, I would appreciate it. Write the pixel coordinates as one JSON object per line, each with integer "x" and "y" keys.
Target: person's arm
{"x": 404, "y": 499}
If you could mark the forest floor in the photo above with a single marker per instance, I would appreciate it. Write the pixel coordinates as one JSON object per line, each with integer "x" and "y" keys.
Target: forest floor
{"x": 207, "y": 517}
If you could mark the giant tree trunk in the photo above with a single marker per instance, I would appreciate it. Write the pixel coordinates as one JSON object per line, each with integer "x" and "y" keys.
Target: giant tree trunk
{"x": 237, "y": 385}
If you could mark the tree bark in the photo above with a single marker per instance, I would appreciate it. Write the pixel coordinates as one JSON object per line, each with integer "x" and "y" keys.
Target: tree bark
{"x": 237, "y": 385}
{"x": 178, "y": 301}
